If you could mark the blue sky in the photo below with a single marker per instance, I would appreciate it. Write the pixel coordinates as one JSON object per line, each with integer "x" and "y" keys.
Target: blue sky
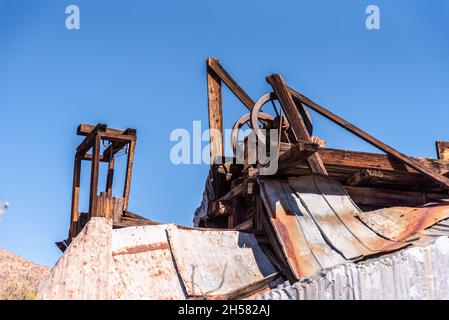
{"x": 141, "y": 64}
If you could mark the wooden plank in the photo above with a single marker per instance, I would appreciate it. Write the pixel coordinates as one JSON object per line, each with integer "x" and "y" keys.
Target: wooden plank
{"x": 117, "y": 138}
{"x": 94, "y": 176}
{"x": 379, "y": 197}
{"x": 295, "y": 120}
{"x": 389, "y": 179}
{"x": 370, "y": 139}
{"x": 365, "y": 160}
{"x": 86, "y": 129}
{"x": 129, "y": 169}
{"x": 215, "y": 115}
{"x": 442, "y": 150}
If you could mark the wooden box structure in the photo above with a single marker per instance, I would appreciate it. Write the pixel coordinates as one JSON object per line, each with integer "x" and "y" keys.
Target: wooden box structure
{"x": 103, "y": 204}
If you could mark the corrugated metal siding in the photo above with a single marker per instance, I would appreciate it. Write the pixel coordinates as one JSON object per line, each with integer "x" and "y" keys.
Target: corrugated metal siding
{"x": 419, "y": 272}
{"x": 214, "y": 263}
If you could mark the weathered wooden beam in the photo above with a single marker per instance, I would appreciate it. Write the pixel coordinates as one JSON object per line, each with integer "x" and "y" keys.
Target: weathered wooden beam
{"x": 110, "y": 175}
{"x": 442, "y": 150}
{"x": 442, "y": 180}
{"x": 129, "y": 168}
{"x": 94, "y": 176}
{"x": 393, "y": 179}
{"x": 90, "y": 139}
{"x": 298, "y": 152}
{"x": 117, "y": 138}
{"x": 222, "y": 75}
{"x": 387, "y": 197}
{"x": 215, "y": 110}
{"x": 74, "y": 216}
{"x": 295, "y": 120}
{"x": 86, "y": 129}
{"x": 89, "y": 157}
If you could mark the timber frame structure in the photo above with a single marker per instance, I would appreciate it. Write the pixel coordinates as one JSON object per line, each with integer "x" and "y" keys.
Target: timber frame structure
{"x": 232, "y": 197}
{"x": 103, "y": 204}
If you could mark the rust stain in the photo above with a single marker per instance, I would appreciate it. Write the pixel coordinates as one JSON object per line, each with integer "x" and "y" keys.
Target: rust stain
{"x": 142, "y": 248}
{"x": 401, "y": 223}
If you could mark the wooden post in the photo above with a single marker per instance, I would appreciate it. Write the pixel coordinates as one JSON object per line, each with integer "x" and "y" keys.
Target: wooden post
{"x": 110, "y": 177}
{"x": 74, "y": 217}
{"x": 129, "y": 169}
{"x": 294, "y": 118}
{"x": 215, "y": 114}
{"x": 94, "y": 176}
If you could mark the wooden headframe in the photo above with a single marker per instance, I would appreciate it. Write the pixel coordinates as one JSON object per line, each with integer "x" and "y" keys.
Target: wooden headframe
{"x": 94, "y": 135}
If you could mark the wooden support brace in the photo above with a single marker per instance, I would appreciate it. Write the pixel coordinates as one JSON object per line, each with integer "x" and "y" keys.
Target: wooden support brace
{"x": 442, "y": 180}
{"x": 129, "y": 168}
{"x": 220, "y": 72}
{"x": 94, "y": 176}
{"x": 294, "y": 118}
{"x": 74, "y": 217}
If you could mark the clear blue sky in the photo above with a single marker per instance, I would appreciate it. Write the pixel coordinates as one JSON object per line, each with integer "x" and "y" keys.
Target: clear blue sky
{"x": 141, "y": 64}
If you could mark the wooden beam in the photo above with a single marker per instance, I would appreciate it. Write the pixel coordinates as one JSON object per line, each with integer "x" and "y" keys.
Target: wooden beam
{"x": 389, "y": 179}
{"x": 90, "y": 139}
{"x": 89, "y": 157}
{"x": 117, "y": 138}
{"x": 298, "y": 152}
{"x": 215, "y": 115}
{"x": 221, "y": 73}
{"x": 94, "y": 176}
{"x": 110, "y": 176}
{"x": 295, "y": 120}
{"x": 74, "y": 216}
{"x": 388, "y": 198}
{"x": 86, "y": 129}
{"x": 129, "y": 168}
{"x": 442, "y": 150}
{"x": 370, "y": 139}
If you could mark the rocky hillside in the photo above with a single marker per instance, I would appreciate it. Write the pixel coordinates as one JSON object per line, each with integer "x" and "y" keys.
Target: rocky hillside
{"x": 19, "y": 278}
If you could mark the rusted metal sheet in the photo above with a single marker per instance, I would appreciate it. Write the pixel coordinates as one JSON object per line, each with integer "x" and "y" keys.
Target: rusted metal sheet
{"x": 401, "y": 223}
{"x": 213, "y": 264}
{"x": 83, "y": 270}
{"x": 143, "y": 267}
{"x": 315, "y": 222}
{"x": 345, "y": 209}
{"x": 302, "y": 242}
